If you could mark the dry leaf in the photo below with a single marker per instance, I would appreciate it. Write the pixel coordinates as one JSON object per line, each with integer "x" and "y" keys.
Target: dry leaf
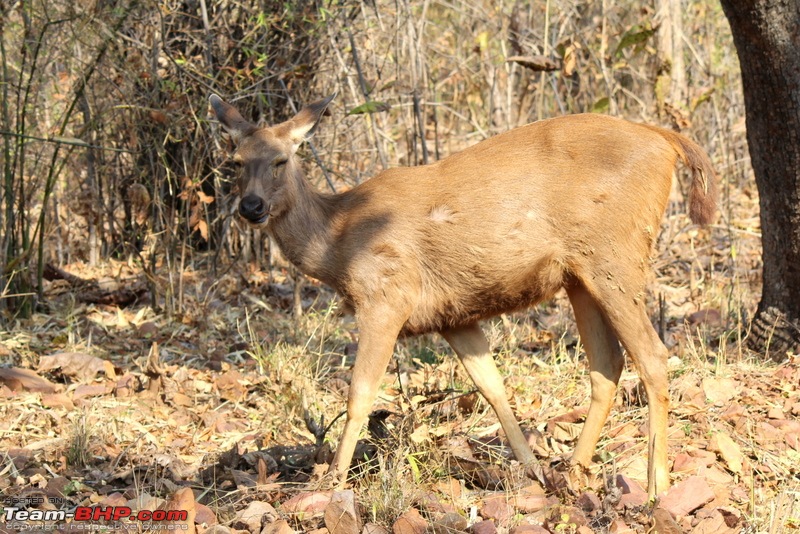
{"x": 82, "y": 366}
{"x": 421, "y": 434}
{"x": 18, "y": 379}
{"x": 341, "y": 514}
{"x": 728, "y": 450}
{"x": 183, "y": 500}
{"x": 720, "y": 390}
{"x": 664, "y": 523}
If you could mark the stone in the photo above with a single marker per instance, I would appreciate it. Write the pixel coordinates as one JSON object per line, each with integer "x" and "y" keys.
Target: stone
{"x": 687, "y": 496}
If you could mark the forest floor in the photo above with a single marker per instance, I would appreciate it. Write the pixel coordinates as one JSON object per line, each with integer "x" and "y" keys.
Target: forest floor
{"x": 105, "y": 401}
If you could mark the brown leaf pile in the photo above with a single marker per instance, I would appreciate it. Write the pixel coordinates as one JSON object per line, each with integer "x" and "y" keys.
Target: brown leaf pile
{"x": 229, "y": 411}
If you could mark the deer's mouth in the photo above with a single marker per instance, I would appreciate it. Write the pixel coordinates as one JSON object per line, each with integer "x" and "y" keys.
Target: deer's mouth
{"x": 259, "y": 221}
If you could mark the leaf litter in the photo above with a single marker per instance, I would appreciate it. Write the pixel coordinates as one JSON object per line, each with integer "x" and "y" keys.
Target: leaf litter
{"x": 230, "y": 410}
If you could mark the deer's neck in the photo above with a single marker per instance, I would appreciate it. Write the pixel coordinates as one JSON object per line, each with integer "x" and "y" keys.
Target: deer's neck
{"x": 302, "y": 229}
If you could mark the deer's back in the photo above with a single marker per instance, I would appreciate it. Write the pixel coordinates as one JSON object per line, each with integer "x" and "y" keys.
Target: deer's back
{"x": 507, "y": 222}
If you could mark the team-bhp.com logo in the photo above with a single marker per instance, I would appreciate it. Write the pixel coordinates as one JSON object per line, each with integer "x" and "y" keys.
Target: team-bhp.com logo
{"x": 94, "y": 513}
{"x": 18, "y": 518}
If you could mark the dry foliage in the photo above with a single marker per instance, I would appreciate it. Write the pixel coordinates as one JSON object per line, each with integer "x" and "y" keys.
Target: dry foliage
{"x": 147, "y": 341}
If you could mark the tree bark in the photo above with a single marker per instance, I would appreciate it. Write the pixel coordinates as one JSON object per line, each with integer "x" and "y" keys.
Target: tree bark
{"x": 767, "y": 38}
{"x": 672, "y": 76}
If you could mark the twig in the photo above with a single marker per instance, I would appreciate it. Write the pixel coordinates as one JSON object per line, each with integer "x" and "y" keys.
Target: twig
{"x": 421, "y": 126}
{"x": 365, "y": 92}
{"x": 64, "y": 141}
{"x": 540, "y": 106}
{"x": 361, "y": 81}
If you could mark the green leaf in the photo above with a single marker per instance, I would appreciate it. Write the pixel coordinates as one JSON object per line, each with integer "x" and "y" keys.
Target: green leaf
{"x": 635, "y": 36}
{"x": 370, "y": 107}
{"x": 412, "y": 461}
{"x": 70, "y": 141}
{"x": 601, "y": 106}
{"x": 703, "y": 97}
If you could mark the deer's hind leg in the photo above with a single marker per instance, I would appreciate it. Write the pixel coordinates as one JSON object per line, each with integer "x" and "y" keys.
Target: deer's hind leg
{"x": 625, "y": 312}
{"x": 605, "y": 366}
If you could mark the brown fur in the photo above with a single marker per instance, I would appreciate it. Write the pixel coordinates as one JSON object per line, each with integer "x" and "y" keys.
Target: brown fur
{"x": 571, "y": 202}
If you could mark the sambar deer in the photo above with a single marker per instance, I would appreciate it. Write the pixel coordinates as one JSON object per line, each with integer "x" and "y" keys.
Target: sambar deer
{"x": 573, "y": 202}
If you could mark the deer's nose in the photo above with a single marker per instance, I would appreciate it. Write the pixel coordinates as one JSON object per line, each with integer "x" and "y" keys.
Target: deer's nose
{"x": 253, "y": 208}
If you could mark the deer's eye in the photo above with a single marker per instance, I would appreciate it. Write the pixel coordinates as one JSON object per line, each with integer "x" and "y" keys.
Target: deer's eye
{"x": 279, "y": 162}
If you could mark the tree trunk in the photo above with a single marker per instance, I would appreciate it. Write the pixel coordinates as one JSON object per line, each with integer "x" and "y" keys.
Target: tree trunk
{"x": 671, "y": 85}
{"x": 767, "y": 38}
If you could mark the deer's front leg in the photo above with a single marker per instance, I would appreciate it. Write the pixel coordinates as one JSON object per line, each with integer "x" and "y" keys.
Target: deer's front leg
{"x": 378, "y": 331}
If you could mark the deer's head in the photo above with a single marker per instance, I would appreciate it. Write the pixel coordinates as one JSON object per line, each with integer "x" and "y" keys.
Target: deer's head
{"x": 267, "y": 157}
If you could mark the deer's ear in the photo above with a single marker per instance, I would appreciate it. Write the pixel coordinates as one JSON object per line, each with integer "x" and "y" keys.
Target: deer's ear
{"x": 233, "y": 122}
{"x": 302, "y": 126}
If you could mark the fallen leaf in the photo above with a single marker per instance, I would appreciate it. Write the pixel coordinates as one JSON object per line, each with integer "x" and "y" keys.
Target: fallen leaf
{"x": 18, "y": 379}
{"x": 374, "y": 528}
{"x": 57, "y": 400}
{"x": 181, "y": 500}
{"x": 256, "y": 513}
{"x": 341, "y": 516}
{"x": 410, "y": 523}
{"x": 230, "y": 386}
{"x": 498, "y": 508}
{"x": 720, "y": 390}
{"x": 309, "y": 503}
{"x": 665, "y": 523}
{"x": 82, "y": 366}
{"x": 93, "y": 390}
{"x": 421, "y": 434}
{"x": 281, "y": 526}
{"x": 728, "y": 450}
{"x": 204, "y": 515}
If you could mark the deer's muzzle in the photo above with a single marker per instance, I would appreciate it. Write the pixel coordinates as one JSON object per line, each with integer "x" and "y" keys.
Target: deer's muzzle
{"x": 253, "y": 209}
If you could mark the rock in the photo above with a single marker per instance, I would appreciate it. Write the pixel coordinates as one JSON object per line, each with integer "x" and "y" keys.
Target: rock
{"x": 410, "y": 523}
{"x": 530, "y": 499}
{"x": 449, "y": 523}
{"x": 588, "y": 502}
{"x": 687, "y": 496}
{"x": 632, "y": 492}
{"x": 431, "y": 503}
{"x": 719, "y": 521}
{"x": 217, "y": 529}
{"x": 341, "y": 516}
{"x": 498, "y": 508}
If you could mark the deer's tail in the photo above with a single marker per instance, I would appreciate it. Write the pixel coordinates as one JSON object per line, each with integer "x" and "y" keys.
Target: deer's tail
{"x": 703, "y": 192}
